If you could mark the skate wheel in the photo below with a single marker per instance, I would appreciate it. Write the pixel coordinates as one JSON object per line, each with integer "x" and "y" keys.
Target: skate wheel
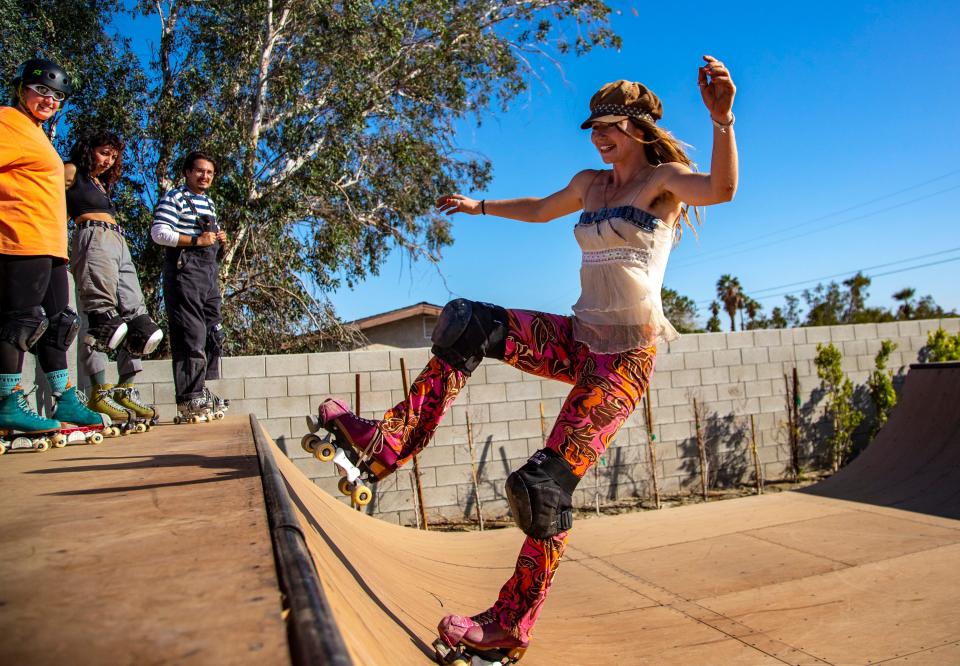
{"x": 59, "y": 440}
{"x": 3, "y": 449}
{"x": 115, "y": 431}
{"x": 345, "y": 487}
{"x": 176, "y": 420}
{"x": 95, "y": 438}
{"x": 141, "y": 427}
{"x": 325, "y": 452}
{"x": 309, "y": 442}
{"x": 124, "y": 431}
{"x": 194, "y": 419}
{"x": 362, "y": 495}
{"x": 218, "y": 415}
{"x": 460, "y": 662}
{"x": 43, "y": 445}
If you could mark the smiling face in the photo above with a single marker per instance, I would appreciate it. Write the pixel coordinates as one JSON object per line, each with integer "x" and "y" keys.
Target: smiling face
{"x": 40, "y": 107}
{"x": 200, "y": 176}
{"x": 103, "y": 158}
{"x": 611, "y": 141}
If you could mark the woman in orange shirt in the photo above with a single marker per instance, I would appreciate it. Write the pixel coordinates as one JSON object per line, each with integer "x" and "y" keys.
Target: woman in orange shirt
{"x": 34, "y": 315}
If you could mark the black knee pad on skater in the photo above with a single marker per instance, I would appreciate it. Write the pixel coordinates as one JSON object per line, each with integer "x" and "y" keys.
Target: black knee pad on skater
{"x": 63, "y": 329}
{"x": 104, "y": 327}
{"x": 22, "y": 328}
{"x": 541, "y": 495}
{"x": 469, "y": 331}
{"x": 142, "y": 336}
{"x": 216, "y": 337}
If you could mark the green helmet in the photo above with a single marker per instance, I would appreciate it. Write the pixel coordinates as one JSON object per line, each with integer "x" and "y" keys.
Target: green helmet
{"x": 44, "y": 72}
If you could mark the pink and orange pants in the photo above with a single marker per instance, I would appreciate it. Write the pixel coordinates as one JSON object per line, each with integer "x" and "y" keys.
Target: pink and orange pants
{"x": 606, "y": 390}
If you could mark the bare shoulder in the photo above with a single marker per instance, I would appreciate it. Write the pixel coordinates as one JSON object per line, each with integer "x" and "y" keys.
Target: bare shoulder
{"x": 668, "y": 170}
{"x": 69, "y": 173}
{"x": 583, "y": 180}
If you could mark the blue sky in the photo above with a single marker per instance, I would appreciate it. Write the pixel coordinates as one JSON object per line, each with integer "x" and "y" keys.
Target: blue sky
{"x": 849, "y": 144}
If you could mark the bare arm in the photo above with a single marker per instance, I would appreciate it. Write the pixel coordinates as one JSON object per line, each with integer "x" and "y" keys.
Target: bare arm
{"x": 527, "y": 209}
{"x": 702, "y": 189}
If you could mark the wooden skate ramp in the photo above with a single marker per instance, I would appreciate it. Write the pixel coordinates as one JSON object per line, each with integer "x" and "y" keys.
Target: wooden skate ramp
{"x": 862, "y": 569}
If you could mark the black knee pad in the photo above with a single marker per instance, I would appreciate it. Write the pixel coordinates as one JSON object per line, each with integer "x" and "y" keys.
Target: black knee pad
{"x": 143, "y": 335}
{"x": 469, "y": 331}
{"x": 22, "y": 328}
{"x": 63, "y": 329}
{"x": 216, "y": 336}
{"x": 541, "y": 495}
{"x": 106, "y": 331}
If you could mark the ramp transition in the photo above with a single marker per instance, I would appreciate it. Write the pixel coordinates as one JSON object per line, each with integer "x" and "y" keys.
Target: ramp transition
{"x": 860, "y": 569}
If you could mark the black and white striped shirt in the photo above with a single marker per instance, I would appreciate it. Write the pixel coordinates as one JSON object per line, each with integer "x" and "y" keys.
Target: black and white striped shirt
{"x": 174, "y": 216}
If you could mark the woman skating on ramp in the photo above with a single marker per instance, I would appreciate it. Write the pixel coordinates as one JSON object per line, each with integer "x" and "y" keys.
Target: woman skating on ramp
{"x": 632, "y": 215}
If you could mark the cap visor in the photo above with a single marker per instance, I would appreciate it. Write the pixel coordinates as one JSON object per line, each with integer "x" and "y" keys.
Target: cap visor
{"x": 601, "y": 119}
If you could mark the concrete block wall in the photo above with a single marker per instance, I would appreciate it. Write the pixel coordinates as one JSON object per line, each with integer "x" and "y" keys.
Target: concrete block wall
{"x": 731, "y": 375}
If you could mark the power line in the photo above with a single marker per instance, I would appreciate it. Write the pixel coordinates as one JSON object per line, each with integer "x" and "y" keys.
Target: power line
{"x": 722, "y": 254}
{"x": 865, "y": 268}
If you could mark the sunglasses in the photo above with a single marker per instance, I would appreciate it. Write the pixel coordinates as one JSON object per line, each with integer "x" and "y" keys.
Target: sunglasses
{"x": 44, "y": 91}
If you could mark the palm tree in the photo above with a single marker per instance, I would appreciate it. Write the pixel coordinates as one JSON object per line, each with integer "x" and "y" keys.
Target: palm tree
{"x": 730, "y": 294}
{"x": 905, "y": 311}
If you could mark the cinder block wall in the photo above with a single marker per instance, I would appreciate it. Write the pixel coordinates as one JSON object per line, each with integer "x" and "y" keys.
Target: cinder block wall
{"x": 733, "y": 376}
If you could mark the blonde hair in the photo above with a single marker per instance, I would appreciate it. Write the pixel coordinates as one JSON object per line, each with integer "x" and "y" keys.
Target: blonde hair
{"x": 661, "y": 147}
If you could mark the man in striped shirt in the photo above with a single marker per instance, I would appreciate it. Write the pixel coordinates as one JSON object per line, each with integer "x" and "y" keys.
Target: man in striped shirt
{"x": 185, "y": 221}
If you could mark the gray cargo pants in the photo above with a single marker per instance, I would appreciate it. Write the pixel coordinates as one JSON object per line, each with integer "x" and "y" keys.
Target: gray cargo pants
{"x": 106, "y": 279}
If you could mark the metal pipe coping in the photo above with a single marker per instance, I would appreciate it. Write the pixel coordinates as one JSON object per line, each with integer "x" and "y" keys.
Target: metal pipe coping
{"x": 312, "y": 633}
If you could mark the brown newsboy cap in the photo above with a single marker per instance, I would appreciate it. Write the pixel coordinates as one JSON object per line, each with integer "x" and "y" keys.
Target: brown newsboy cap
{"x": 623, "y": 99}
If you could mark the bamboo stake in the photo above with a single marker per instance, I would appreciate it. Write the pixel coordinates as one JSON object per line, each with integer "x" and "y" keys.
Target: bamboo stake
{"x": 413, "y": 490}
{"x": 701, "y": 449}
{"x": 651, "y": 449}
{"x": 473, "y": 471}
{"x": 356, "y": 403}
{"x": 416, "y": 463}
{"x": 756, "y": 457}
{"x": 796, "y": 423}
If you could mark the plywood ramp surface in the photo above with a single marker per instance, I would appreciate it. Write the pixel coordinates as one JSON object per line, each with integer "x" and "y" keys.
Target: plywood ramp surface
{"x": 146, "y": 549}
{"x": 841, "y": 577}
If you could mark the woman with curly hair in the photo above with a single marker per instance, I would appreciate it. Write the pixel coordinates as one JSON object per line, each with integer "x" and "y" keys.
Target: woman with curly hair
{"x": 632, "y": 214}
{"x": 108, "y": 292}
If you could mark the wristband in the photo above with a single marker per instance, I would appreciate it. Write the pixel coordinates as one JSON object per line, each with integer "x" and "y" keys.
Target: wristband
{"x": 194, "y": 240}
{"x": 483, "y": 206}
{"x": 721, "y": 126}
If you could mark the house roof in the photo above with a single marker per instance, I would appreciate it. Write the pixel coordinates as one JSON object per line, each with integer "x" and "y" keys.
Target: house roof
{"x": 421, "y": 308}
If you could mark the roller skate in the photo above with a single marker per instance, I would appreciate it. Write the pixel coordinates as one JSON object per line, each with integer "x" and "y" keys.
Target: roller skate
{"x": 128, "y": 397}
{"x": 215, "y": 402}
{"x": 476, "y": 641}
{"x": 355, "y": 445}
{"x": 195, "y": 410}
{"x": 101, "y": 400}
{"x": 79, "y": 423}
{"x": 21, "y": 428}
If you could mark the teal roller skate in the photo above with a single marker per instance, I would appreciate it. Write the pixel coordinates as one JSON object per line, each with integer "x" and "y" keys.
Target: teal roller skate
{"x": 24, "y": 427}
{"x": 80, "y": 423}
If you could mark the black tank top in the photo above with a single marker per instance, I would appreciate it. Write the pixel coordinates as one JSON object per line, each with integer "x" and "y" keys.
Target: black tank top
{"x": 85, "y": 197}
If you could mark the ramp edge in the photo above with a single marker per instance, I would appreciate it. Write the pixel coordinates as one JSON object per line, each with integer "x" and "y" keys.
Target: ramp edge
{"x": 312, "y": 633}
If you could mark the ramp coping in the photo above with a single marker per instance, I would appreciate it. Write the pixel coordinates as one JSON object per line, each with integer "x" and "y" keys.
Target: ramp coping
{"x": 313, "y": 634}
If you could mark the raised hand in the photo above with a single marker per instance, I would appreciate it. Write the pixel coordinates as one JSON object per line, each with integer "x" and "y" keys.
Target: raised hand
{"x": 717, "y": 89}
{"x": 457, "y": 203}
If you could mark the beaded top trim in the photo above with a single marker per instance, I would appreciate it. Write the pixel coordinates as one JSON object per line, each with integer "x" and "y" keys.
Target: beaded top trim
{"x": 618, "y": 255}
{"x": 635, "y": 216}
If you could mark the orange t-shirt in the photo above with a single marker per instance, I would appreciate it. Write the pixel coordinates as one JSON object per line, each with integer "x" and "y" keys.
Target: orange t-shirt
{"x": 33, "y": 204}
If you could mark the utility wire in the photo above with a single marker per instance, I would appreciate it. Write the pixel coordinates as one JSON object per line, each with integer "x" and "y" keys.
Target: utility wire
{"x": 723, "y": 254}
{"x": 875, "y": 275}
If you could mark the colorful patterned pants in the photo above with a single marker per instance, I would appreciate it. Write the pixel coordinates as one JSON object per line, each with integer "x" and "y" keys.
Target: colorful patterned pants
{"x": 606, "y": 390}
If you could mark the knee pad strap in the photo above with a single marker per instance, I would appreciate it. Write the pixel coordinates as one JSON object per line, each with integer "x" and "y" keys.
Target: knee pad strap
{"x": 469, "y": 331}
{"x": 541, "y": 495}
{"x": 106, "y": 331}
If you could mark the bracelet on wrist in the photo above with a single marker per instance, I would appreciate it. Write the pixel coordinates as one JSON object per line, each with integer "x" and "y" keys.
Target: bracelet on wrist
{"x": 483, "y": 206}
{"x": 723, "y": 126}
